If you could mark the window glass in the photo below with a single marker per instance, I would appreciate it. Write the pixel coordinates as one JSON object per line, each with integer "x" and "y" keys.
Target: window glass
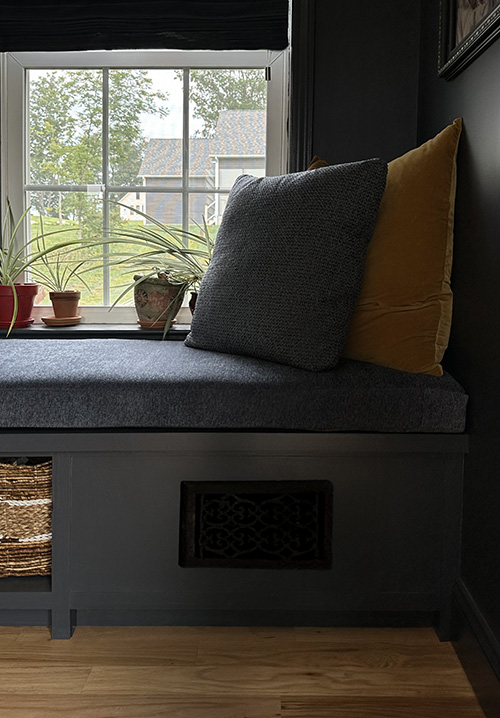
{"x": 165, "y": 141}
{"x": 205, "y": 208}
{"x": 69, "y": 215}
{"x": 65, "y": 127}
{"x": 144, "y": 106}
{"x": 163, "y": 207}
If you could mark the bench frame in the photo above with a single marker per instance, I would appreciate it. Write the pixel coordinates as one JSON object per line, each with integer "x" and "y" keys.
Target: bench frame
{"x": 396, "y": 529}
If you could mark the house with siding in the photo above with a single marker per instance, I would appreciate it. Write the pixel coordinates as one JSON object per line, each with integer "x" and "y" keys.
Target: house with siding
{"x": 238, "y": 147}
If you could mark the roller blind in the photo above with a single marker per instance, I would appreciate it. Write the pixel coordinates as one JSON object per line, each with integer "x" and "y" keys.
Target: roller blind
{"x": 39, "y": 25}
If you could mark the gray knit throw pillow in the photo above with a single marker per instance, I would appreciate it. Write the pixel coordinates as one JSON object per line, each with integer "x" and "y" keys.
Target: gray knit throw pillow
{"x": 288, "y": 264}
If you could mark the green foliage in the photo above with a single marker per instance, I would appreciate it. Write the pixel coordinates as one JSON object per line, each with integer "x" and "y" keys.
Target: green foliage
{"x": 66, "y": 148}
{"x": 157, "y": 249}
{"x": 130, "y": 95}
{"x": 17, "y": 257}
{"x": 66, "y": 137}
{"x": 59, "y": 272}
{"x": 212, "y": 91}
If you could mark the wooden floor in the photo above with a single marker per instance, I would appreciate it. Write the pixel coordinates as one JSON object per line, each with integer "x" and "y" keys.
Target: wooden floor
{"x": 206, "y": 672}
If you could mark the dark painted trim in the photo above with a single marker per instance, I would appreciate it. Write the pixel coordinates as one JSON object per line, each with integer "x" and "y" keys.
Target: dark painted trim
{"x": 98, "y": 331}
{"x": 345, "y": 601}
{"x": 302, "y": 84}
{"x": 16, "y": 617}
{"x": 25, "y": 600}
{"x": 477, "y": 648}
{"x": 234, "y": 443}
{"x": 451, "y": 527}
{"x": 389, "y": 619}
{"x": 61, "y": 526}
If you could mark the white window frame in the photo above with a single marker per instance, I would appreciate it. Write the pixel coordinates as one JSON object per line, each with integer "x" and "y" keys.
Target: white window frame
{"x": 13, "y": 98}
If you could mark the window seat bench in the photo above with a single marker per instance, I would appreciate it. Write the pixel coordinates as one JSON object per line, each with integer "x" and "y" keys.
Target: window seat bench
{"x": 117, "y": 383}
{"x": 128, "y": 423}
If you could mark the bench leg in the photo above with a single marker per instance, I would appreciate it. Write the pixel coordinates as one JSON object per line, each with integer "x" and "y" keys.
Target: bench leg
{"x": 62, "y": 624}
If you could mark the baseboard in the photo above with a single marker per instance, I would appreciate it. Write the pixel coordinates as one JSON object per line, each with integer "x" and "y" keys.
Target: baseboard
{"x": 24, "y": 617}
{"x": 252, "y": 618}
{"x": 477, "y": 649}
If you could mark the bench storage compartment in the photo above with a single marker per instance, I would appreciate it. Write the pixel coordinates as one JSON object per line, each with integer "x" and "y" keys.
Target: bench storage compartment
{"x": 25, "y": 518}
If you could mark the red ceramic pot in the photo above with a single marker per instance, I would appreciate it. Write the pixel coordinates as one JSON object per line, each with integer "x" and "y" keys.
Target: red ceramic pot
{"x": 26, "y": 294}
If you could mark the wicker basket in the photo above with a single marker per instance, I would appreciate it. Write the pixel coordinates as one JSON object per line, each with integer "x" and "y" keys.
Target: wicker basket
{"x": 25, "y": 519}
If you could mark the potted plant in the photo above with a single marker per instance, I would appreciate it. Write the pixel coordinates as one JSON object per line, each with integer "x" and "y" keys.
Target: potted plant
{"x": 57, "y": 274}
{"x": 165, "y": 262}
{"x": 16, "y": 257}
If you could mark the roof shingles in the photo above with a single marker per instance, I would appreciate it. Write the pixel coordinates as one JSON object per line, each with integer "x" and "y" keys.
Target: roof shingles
{"x": 239, "y": 133}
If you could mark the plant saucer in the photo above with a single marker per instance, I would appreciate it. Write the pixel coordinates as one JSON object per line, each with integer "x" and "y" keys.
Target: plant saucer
{"x": 20, "y": 325}
{"x": 153, "y": 324}
{"x": 60, "y": 321}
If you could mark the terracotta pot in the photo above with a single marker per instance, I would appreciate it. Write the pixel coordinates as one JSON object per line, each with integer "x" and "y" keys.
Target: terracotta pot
{"x": 65, "y": 304}
{"x": 154, "y": 299}
{"x": 26, "y": 294}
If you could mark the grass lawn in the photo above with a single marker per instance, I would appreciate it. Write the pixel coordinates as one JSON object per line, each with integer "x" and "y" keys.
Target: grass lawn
{"x": 119, "y": 277}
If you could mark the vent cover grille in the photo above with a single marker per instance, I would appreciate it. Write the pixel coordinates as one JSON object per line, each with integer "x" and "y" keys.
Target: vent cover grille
{"x": 256, "y": 524}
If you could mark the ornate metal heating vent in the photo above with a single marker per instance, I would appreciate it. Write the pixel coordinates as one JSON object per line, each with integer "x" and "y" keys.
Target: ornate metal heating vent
{"x": 256, "y": 524}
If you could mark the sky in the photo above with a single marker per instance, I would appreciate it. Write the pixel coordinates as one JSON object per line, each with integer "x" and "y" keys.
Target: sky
{"x": 153, "y": 125}
{"x": 170, "y": 126}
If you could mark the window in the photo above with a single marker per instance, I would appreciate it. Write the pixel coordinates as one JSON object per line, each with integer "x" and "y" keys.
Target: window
{"x": 162, "y": 132}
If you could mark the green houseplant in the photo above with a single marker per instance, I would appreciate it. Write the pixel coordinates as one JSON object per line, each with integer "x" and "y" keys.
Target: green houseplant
{"x": 165, "y": 262}
{"x": 17, "y": 257}
{"x": 57, "y": 273}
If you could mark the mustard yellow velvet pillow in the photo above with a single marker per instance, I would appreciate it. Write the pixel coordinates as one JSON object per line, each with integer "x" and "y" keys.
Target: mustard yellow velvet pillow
{"x": 403, "y": 316}
{"x": 316, "y": 163}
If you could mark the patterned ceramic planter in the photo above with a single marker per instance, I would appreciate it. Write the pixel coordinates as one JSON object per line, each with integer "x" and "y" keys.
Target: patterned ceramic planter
{"x": 154, "y": 299}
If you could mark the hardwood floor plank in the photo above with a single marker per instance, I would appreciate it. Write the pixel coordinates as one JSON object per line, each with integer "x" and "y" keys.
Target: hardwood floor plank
{"x": 78, "y": 706}
{"x": 29, "y": 680}
{"x": 275, "y": 681}
{"x": 381, "y": 708}
{"x": 371, "y": 636}
{"x": 10, "y": 632}
{"x": 239, "y": 632}
{"x": 230, "y": 672}
{"x": 273, "y": 650}
{"x": 97, "y": 645}
{"x": 9, "y": 636}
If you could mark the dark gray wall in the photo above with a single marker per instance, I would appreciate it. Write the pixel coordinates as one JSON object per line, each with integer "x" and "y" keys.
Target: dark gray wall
{"x": 474, "y": 353}
{"x": 366, "y": 79}
{"x": 377, "y": 93}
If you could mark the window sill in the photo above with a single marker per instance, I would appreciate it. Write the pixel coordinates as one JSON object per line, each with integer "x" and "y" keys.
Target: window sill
{"x": 97, "y": 331}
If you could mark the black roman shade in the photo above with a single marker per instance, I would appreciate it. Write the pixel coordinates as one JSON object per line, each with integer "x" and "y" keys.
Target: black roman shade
{"x": 41, "y": 25}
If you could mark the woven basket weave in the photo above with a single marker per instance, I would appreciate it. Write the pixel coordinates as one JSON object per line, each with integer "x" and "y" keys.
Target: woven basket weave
{"x": 25, "y": 519}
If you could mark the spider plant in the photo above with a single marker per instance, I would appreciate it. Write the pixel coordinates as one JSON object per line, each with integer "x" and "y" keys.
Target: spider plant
{"x": 160, "y": 250}
{"x": 56, "y": 274}
{"x": 164, "y": 249}
{"x": 16, "y": 256}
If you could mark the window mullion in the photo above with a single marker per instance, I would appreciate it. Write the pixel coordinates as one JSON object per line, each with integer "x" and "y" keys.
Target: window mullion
{"x": 185, "y": 185}
{"x": 185, "y": 151}
{"x": 105, "y": 181}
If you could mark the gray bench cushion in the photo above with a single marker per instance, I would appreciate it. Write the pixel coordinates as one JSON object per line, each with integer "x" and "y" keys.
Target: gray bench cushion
{"x": 124, "y": 383}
